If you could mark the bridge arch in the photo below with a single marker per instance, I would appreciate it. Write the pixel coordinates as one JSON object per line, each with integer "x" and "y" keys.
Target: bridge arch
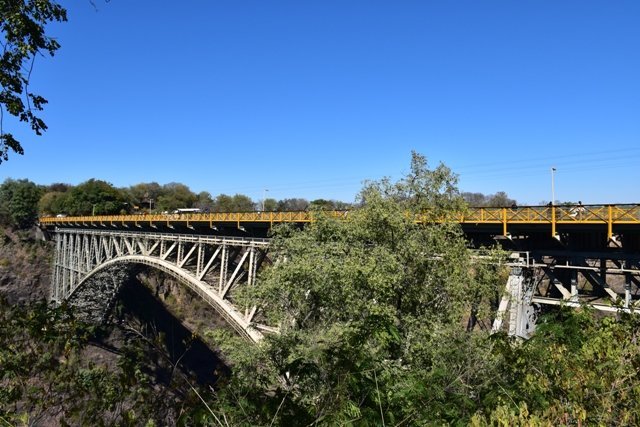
{"x": 225, "y": 309}
{"x": 212, "y": 267}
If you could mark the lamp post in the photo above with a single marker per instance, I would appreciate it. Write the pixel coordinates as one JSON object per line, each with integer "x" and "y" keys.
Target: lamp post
{"x": 149, "y": 198}
{"x": 553, "y": 190}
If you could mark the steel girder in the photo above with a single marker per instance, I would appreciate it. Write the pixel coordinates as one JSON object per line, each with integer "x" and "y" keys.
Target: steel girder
{"x": 614, "y": 280}
{"x": 213, "y": 267}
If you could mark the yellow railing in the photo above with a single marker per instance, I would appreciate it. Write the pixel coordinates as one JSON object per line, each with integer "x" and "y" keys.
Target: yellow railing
{"x": 573, "y": 214}
{"x": 609, "y": 215}
{"x": 216, "y": 217}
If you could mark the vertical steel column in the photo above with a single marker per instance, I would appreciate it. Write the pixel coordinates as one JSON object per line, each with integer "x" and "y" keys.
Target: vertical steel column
{"x": 77, "y": 256}
{"x": 251, "y": 278}
{"x": 86, "y": 254}
{"x": 224, "y": 259}
{"x": 66, "y": 272}
{"x": 121, "y": 245}
{"x": 609, "y": 222}
{"x": 515, "y": 289}
{"x": 627, "y": 288}
{"x": 179, "y": 252}
{"x": 55, "y": 279}
{"x": 504, "y": 222}
{"x": 252, "y": 266}
{"x": 574, "y": 284}
{"x": 199, "y": 261}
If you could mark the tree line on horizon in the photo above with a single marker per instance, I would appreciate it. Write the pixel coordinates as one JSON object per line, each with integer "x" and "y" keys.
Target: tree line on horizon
{"x": 22, "y": 201}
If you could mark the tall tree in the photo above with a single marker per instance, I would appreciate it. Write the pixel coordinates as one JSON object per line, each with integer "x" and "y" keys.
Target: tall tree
{"x": 367, "y": 310}
{"x": 19, "y": 202}
{"x": 96, "y": 197}
{"x": 145, "y": 195}
{"x": 175, "y": 196}
{"x": 22, "y": 23}
{"x": 475, "y": 199}
{"x": 53, "y": 202}
{"x": 205, "y": 201}
{"x": 269, "y": 205}
{"x": 235, "y": 203}
{"x": 294, "y": 204}
{"x": 59, "y": 187}
{"x": 499, "y": 199}
{"x": 321, "y": 204}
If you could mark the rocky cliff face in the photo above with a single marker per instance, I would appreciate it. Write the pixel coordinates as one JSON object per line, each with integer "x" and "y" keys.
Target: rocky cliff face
{"x": 25, "y": 266}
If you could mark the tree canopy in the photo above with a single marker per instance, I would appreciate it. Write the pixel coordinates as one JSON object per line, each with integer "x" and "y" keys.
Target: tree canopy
{"x": 499, "y": 199}
{"x": 174, "y": 196}
{"x": 22, "y": 23}
{"x": 235, "y": 203}
{"x": 19, "y": 202}
{"x": 92, "y": 197}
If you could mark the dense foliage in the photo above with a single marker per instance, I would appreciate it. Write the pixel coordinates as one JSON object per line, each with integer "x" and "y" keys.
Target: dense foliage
{"x": 19, "y": 202}
{"x": 372, "y": 314}
{"x": 580, "y": 368}
{"x": 57, "y": 370}
{"x": 498, "y": 199}
{"x": 41, "y": 370}
{"x": 368, "y": 310}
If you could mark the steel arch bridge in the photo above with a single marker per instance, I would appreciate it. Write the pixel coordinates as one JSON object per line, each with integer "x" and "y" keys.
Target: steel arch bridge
{"x": 590, "y": 256}
{"x": 213, "y": 267}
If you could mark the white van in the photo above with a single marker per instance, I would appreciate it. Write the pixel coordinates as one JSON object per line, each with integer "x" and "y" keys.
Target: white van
{"x": 187, "y": 211}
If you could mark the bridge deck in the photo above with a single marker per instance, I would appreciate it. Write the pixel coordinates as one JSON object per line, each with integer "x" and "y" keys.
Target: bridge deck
{"x": 609, "y": 218}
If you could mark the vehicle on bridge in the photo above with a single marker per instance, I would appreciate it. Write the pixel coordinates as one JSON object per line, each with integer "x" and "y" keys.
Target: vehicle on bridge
{"x": 187, "y": 211}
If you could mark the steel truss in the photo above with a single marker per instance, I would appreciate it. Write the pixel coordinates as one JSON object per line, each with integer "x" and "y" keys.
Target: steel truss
{"x": 213, "y": 267}
{"x": 608, "y": 282}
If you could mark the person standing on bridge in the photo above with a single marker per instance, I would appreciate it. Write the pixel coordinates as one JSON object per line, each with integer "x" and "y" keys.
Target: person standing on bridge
{"x": 581, "y": 209}
{"x": 578, "y": 210}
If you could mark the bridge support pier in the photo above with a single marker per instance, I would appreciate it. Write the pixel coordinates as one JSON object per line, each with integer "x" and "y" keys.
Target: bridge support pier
{"x": 517, "y": 302}
{"x": 627, "y": 289}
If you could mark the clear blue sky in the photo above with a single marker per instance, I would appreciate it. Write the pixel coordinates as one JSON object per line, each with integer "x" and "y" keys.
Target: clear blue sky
{"x": 309, "y": 98}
